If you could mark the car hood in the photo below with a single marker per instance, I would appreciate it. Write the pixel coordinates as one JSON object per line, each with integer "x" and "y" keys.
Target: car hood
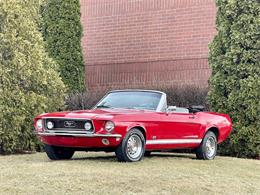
{"x": 107, "y": 114}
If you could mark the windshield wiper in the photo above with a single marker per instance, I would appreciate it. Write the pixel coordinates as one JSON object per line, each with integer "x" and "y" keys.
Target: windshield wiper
{"x": 133, "y": 108}
{"x": 103, "y": 106}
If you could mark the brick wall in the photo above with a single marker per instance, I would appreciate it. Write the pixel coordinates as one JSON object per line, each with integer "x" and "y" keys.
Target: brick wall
{"x": 130, "y": 43}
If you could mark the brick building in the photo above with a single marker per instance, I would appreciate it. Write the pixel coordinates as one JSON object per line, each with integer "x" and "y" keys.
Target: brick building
{"x": 130, "y": 43}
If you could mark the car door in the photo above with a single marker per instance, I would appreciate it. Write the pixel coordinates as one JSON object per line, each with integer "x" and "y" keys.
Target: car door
{"x": 180, "y": 126}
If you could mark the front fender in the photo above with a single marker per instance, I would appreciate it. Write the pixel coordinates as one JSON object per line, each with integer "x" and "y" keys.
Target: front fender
{"x": 123, "y": 127}
{"x": 136, "y": 125}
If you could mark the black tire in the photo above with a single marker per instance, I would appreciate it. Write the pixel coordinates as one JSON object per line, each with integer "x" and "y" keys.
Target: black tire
{"x": 147, "y": 153}
{"x": 58, "y": 153}
{"x": 202, "y": 151}
{"x": 122, "y": 151}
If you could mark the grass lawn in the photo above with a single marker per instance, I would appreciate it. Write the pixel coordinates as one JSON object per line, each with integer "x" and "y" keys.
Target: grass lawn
{"x": 100, "y": 173}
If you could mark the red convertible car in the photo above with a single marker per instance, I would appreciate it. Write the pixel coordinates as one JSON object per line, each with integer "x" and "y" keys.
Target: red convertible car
{"x": 132, "y": 123}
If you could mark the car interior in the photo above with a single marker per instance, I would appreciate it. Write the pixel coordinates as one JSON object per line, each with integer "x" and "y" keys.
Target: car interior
{"x": 182, "y": 110}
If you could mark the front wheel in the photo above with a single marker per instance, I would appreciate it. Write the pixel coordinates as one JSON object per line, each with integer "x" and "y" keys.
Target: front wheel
{"x": 208, "y": 147}
{"x": 131, "y": 149}
{"x": 58, "y": 153}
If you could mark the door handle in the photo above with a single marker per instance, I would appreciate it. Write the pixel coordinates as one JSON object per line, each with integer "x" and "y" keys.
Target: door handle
{"x": 192, "y": 117}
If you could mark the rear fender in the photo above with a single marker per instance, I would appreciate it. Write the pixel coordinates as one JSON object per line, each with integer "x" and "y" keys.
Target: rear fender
{"x": 214, "y": 129}
{"x": 223, "y": 131}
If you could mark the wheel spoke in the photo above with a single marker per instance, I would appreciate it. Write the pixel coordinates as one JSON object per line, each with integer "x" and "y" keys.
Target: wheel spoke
{"x": 210, "y": 146}
{"x": 134, "y": 146}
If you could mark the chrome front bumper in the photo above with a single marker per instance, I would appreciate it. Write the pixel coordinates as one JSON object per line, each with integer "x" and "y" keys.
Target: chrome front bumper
{"x": 78, "y": 134}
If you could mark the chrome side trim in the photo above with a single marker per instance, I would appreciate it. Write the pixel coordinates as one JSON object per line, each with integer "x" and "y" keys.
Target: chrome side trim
{"x": 173, "y": 141}
{"x": 79, "y": 135}
{"x": 191, "y": 136}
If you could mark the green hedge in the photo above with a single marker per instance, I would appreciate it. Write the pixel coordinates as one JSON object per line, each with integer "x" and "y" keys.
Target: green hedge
{"x": 235, "y": 81}
{"x": 29, "y": 82}
{"x": 62, "y": 32}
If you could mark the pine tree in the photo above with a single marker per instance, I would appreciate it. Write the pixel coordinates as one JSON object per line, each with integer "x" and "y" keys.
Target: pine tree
{"x": 235, "y": 81}
{"x": 29, "y": 82}
{"x": 62, "y": 32}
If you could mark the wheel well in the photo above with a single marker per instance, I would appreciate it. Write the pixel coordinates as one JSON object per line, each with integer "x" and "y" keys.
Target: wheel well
{"x": 215, "y": 131}
{"x": 141, "y": 129}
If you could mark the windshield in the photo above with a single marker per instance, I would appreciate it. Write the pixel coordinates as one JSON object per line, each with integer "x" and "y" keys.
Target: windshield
{"x": 131, "y": 100}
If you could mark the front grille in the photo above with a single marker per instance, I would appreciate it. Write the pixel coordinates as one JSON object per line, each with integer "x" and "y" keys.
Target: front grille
{"x": 68, "y": 125}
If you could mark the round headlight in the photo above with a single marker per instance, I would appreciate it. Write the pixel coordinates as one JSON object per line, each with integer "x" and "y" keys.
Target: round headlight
{"x": 50, "y": 125}
{"x": 39, "y": 124}
{"x": 109, "y": 126}
{"x": 88, "y": 126}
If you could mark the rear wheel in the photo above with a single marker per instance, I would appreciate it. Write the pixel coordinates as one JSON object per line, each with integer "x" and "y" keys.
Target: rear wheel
{"x": 58, "y": 153}
{"x": 131, "y": 148}
{"x": 208, "y": 147}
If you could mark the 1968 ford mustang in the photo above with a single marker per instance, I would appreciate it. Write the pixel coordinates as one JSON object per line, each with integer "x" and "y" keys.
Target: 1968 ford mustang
{"x": 132, "y": 123}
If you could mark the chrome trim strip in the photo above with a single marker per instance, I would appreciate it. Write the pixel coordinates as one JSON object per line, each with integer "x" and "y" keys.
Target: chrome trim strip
{"x": 79, "y": 135}
{"x": 134, "y": 90}
{"x": 66, "y": 118}
{"x": 191, "y": 136}
{"x": 173, "y": 141}
{"x": 64, "y": 131}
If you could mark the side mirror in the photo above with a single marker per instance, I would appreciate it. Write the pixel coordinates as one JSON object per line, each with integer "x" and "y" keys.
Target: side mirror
{"x": 171, "y": 109}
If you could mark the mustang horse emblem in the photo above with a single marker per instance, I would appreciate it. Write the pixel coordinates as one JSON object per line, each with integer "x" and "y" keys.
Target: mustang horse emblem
{"x": 69, "y": 124}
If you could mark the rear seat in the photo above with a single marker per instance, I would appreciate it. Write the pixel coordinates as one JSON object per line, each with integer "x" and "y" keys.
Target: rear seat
{"x": 181, "y": 110}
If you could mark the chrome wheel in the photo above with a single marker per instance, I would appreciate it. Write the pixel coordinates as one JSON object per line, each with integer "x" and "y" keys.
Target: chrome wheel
{"x": 131, "y": 149}
{"x": 134, "y": 147}
{"x": 210, "y": 147}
